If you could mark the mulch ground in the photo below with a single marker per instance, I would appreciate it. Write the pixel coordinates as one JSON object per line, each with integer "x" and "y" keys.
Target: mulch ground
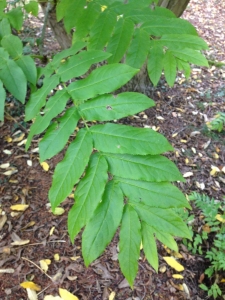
{"x": 180, "y": 114}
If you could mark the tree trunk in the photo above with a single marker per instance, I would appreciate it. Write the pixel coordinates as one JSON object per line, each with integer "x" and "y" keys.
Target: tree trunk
{"x": 176, "y": 6}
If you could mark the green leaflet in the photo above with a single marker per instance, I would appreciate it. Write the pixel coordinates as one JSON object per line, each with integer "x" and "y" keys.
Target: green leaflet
{"x": 32, "y": 7}
{"x": 165, "y": 238}
{"x": 2, "y": 101}
{"x": 170, "y": 68}
{"x": 192, "y": 56}
{"x": 102, "y": 80}
{"x": 102, "y": 30}
{"x": 148, "y": 168}
{"x": 182, "y": 41}
{"x": 5, "y": 28}
{"x": 111, "y": 107}
{"x": 56, "y": 61}
{"x": 129, "y": 245}
{"x": 90, "y": 14}
{"x": 88, "y": 194}
{"x": 54, "y": 106}
{"x": 69, "y": 170}
{"x": 61, "y": 8}
{"x": 155, "y": 194}
{"x": 3, "y": 4}
{"x": 138, "y": 49}
{"x": 149, "y": 245}
{"x": 103, "y": 224}
{"x": 14, "y": 80}
{"x": 58, "y": 134}
{"x": 159, "y": 26}
{"x": 4, "y": 57}
{"x": 163, "y": 219}
{"x": 115, "y": 138}
{"x": 120, "y": 40}
{"x": 15, "y": 17}
{"x": 140, "y": 15}
{"x": 155, "y": 63}
{"x": 38, "y": 99}
{"x": 79, "y": 64}
{"x": 73, "y": 14}
{"x": 184, "y": 66}
{"x": 26, "y": 63}
{"x": 13, "y": 45}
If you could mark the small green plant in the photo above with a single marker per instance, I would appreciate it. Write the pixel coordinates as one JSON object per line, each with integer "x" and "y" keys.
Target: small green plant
{"x": 214, "y": 234}
{"x": 217, "y": 123}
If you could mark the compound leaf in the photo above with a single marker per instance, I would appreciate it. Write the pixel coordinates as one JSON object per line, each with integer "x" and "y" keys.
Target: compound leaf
{"x": 149, "y": 168}
{"x": 155, "y": 194}
{"x": 88, "y": 194}
{"x": 115, "y": 138}
{"x": 129, "y": 245}
{"x": 73, "y": 13}
{"x": 69, "y": 170}
{"x": 58, "y": 134}
{"x": 103, "y": 224}
{"x": 14, "y": 80}
{"x": 120, "y": 39}
{"x": 102, "y": 80}
{"x": 110, "y": 107}
{"x": 38, "y": 99}
{"x": 149, "y": 245}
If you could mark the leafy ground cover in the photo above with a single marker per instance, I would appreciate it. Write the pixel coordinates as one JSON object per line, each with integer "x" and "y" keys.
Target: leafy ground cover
{"x": 32, "y": 235}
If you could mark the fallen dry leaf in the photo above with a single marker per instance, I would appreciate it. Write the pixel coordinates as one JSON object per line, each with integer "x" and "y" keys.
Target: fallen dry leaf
{"x": 9, "y": 271}
{"x": 112, "y": 296}
{"x": 30, "y": 285}
{"x": 173, "y": 263}
{"x": 65, "y": 295}
{"x": 4, "y": 166}
{"x": 3, "y": 219}
{"x": 58, "y": 211}
{"x": 188, "y": 174}
{"x": 177, "y": 276}
{"x": 52, "y": 230}
{"x": 56, "y": 257}
{"x": 20, "y": 242}
{"x": 31, "y": 294}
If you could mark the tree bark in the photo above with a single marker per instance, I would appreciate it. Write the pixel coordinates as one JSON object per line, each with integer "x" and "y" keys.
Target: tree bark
{"x": 176, "y": 6}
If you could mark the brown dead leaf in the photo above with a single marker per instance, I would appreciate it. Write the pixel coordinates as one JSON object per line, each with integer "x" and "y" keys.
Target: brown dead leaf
{"x": 3, "y": 219}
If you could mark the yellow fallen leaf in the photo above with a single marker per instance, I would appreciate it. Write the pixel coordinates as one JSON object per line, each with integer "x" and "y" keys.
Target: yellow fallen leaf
{"x": 56, "y": 257}
{"x": 44, "y": 263}
{"x": 222, "y": 280}
{"x": 45, "y": 166}
{"x": 52, "y": 230}
{"x": 74, "y": 258}
{"x": 173, "y": 263}
{"x": 220, "y": 218}
{"x": 112, "y": 296}
{"x": 8, "y": 139}
{"x": 65, "y": 295}
{"x": 10, "y": 172}
{"x": 30, "y": 285}
{"x": 214, "y": 170}
{"x": 18, "y": 139}
{"x": 58, "y": 211}
{"x": 177, "y": 276}
{"x": 177, "y": 254}
{"x": 188, "y": 174}
{"x": 19, "y": 207}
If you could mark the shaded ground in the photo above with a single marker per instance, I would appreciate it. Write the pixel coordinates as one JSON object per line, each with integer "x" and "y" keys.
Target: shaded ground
{"x": 180, "y": 114}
